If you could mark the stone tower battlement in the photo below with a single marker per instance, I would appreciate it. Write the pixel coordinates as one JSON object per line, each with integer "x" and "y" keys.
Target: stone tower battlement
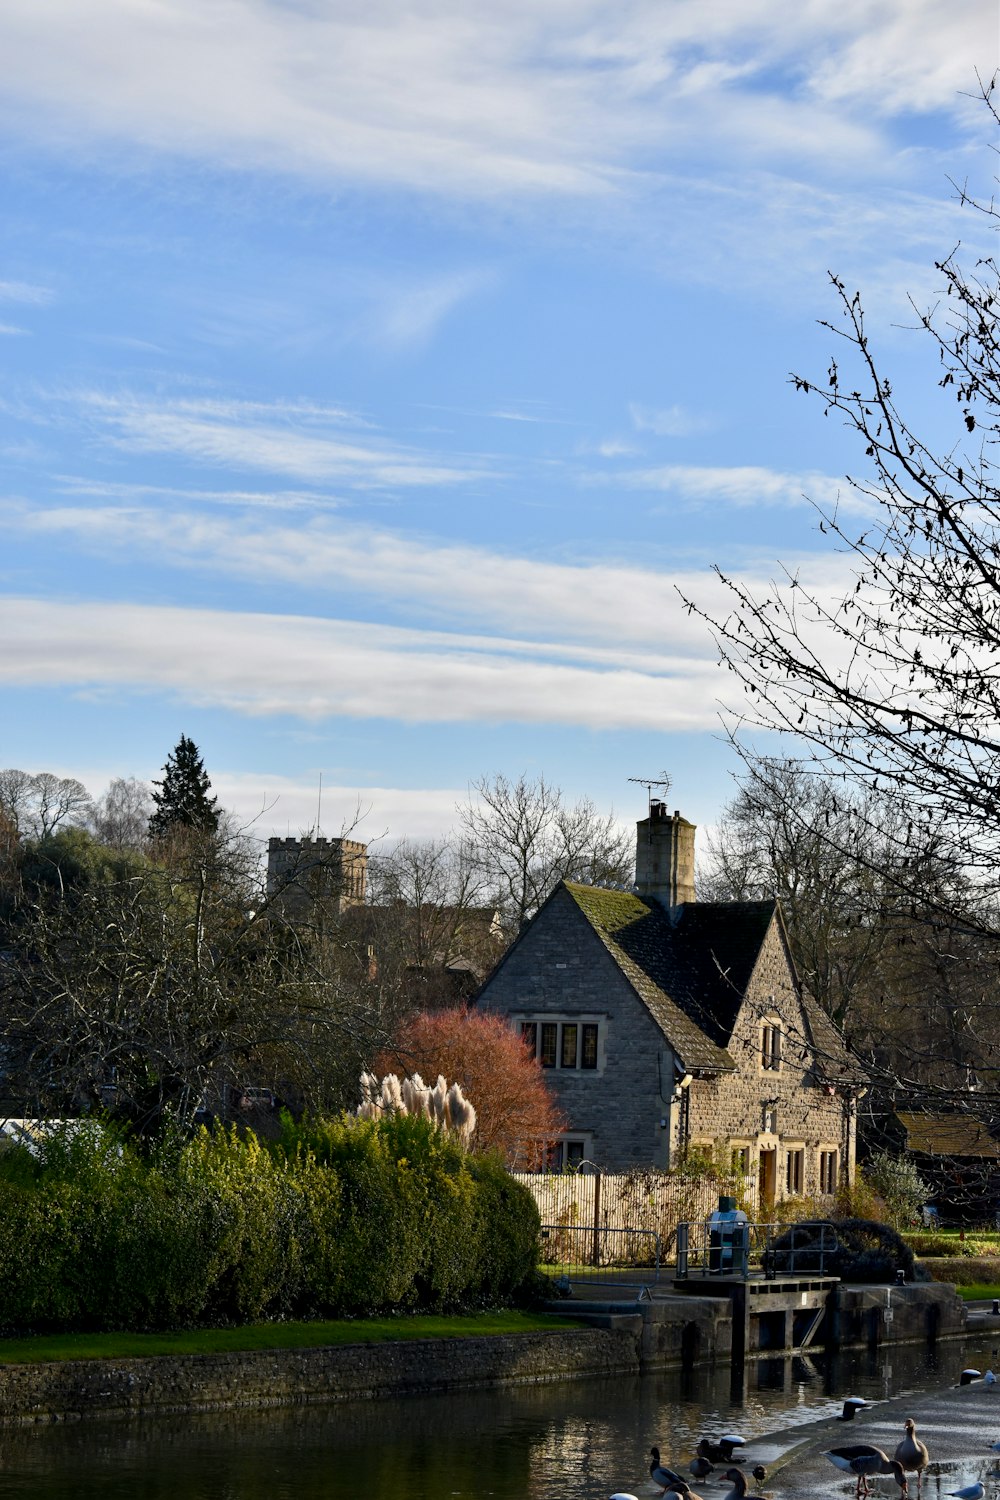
{"x": 306, "y": 870}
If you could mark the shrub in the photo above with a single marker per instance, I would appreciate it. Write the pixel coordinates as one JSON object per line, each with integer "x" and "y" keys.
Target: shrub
{"x": 345, "y": 1216}
{"x": 899, "y": 1185}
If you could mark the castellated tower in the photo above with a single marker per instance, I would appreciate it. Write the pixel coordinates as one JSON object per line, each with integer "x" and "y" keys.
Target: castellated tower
{"x": 304, "y": 872}
{"x": 664, "y": 856}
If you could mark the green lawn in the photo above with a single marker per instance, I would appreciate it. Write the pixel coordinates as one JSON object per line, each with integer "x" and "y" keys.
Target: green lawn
{"x": 62, "y": 1346}
{"x": 979, "y": 1291}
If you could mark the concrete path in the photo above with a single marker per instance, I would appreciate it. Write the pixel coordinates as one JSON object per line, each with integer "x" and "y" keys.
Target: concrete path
{"x": 958, "y": 1424}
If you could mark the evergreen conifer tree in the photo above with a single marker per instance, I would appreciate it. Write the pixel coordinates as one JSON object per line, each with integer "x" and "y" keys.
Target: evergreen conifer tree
{"x": 183, "y": 798}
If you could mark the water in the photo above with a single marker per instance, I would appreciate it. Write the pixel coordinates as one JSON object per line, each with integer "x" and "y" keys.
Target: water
{"x": 574, "y": 1441}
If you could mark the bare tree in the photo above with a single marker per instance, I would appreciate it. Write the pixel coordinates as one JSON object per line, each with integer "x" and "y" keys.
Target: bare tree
{"x": 788, "y": 835}
{"x": 525, "y": 840}
{"x": 38, "y": 804}
{"x": 893, "y": 685}
{"x": 120, "y": 817}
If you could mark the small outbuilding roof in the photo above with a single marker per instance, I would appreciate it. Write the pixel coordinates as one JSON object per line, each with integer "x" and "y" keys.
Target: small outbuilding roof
{"x": 952, "y": 1134}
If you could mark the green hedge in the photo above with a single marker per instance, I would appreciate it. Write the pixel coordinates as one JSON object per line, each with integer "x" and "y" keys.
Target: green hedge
{"x": 341, "y": 1217}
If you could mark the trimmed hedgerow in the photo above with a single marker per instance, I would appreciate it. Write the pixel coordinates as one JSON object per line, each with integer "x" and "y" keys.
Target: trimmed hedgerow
{"x": 340, "y": 1217}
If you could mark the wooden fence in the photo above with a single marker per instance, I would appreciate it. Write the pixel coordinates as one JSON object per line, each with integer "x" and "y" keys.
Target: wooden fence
{"x": 645, "y": 1202}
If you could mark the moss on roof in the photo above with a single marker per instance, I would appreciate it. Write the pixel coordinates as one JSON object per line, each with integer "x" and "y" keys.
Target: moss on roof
{"x": 642, "y": 940}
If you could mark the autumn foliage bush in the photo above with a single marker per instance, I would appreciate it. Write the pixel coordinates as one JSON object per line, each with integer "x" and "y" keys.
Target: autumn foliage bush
{"x": 339, "y": 1217}
{"x": 515, "y": 1113}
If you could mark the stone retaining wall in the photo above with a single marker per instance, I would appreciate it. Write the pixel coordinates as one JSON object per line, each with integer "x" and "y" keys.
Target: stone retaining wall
{"x": 218, "y": 1382}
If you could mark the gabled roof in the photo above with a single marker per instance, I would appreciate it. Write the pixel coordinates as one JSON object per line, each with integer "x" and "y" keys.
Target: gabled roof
{"x": 948, "y": 1135}
{"x": 692, "y": 968}
{"x": 691, "y": 974}
{"x": 833, "y": 1062}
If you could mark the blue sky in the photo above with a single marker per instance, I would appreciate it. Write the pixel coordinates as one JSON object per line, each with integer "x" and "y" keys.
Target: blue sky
{"x": 372, "y": 376}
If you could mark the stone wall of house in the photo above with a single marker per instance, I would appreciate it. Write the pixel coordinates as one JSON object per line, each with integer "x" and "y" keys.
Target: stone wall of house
{"x": 559, "y": 967}
{"x": 730, "y": 1111}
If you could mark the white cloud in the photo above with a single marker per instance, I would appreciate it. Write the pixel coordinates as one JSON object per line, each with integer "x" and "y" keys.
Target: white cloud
{"x": 24, "y": 291}
{"x": 533, "y": 96}
{"x": 746, "y": 484}
{"x": 278, "y": 439}
{"x": 669, "y": 421}
{"x": 9, "y": 330}
{"x": 600, "y": 603}
{"x": 316, "y": 669}
{"x": 409, "y": 315}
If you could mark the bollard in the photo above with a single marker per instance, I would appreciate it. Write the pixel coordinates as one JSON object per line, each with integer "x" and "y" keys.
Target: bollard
{"x": 996, "y": 1307}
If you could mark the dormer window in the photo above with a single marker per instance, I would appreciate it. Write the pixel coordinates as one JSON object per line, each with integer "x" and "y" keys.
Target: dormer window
{"x": 770, "y": 1046}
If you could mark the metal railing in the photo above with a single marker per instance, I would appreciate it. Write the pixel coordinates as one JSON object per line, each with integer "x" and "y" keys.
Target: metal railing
{"x": 743, "y": 1250}
{"x": 592, "y": 1254}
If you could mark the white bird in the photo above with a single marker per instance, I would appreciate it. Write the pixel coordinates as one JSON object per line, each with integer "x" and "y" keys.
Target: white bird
{"x": 989, "y": 1379}
{"x": 969, "y": 1491}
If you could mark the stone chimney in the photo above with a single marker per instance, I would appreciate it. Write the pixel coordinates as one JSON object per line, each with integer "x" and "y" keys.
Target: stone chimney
{"x": 664, "y": 856}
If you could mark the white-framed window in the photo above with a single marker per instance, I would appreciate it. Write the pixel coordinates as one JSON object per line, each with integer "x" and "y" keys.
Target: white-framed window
{"x": 573, "y": 1044}
{"x": 828, "y": 1170}
{"x": 795, "y": 1171}
{"x": 770, "y": 1046}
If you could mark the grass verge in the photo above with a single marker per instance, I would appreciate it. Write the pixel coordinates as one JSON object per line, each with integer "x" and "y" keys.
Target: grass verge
{"x": 45, "y": 1348}
{"x": 979, "y": 1291}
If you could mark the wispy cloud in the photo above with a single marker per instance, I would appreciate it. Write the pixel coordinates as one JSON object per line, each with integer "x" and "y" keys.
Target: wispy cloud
{"x": 600, "y": 606}
{"x": 409, "y": 315}
{"x": 668, "y": 421}
{"x": 277, "y": 439}
{"x": 314, "y": 669}
{"x": 536, "y": 98}
{"x": 745, "y": 484}
{"x": 26, "y": 292}
{"x": 9, "y": 330}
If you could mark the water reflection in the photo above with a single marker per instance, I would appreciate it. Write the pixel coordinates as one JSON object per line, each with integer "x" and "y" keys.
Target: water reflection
{"x": 577, "y": 1441}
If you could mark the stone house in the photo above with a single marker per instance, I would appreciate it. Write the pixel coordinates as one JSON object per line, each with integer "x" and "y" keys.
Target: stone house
{"x": 671, "y": 1026}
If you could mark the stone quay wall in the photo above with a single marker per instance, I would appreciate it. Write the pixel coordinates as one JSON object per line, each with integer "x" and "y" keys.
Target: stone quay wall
{"x": 78, "y": 1389}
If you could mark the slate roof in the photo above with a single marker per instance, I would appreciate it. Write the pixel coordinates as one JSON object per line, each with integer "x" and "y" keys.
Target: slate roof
{"x": 948, "y": 1135}
{"x": 693, "y": 973}
{"x": 834, "y": 1063}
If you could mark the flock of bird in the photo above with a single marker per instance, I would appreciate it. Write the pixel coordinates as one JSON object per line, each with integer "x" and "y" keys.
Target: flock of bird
{"x": 862, "y": 1460}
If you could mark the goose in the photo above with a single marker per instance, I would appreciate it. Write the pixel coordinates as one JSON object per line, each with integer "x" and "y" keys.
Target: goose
{"x": 661, "y": 1475}
{"x": 722, "y": 1449}
{"x": 683, "y": 1490}
{"x": 862, "y": 1459}
{"x": 852, "y": 1406}
{"x": 969, "y": 1491}
{"x": 738, "y": 1480}
{"x": 701, "y": 1467}
{"x": 911, "y": 1452}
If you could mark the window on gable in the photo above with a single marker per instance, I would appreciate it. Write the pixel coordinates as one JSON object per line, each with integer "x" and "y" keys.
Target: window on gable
{"x": 563, "y": 1044}
{"x": 770, "y": 1046}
